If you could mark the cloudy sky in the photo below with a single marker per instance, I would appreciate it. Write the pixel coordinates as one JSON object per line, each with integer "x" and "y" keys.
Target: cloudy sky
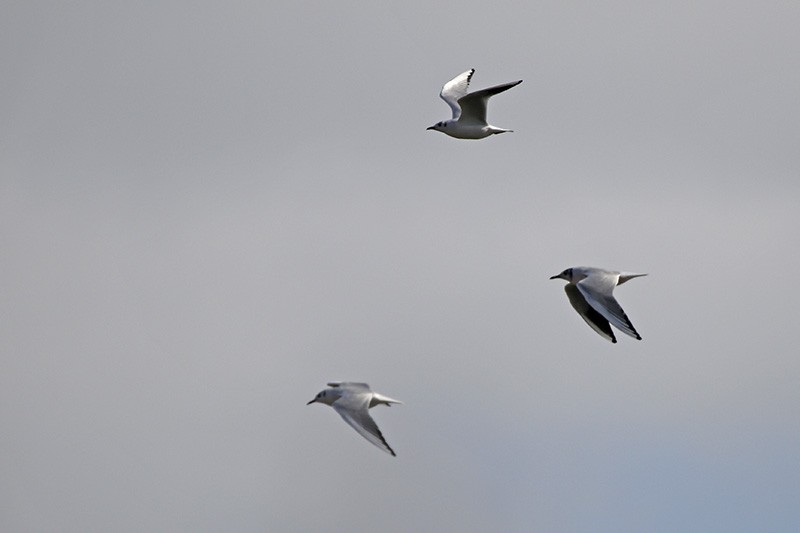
{"x": 208, "y": 210}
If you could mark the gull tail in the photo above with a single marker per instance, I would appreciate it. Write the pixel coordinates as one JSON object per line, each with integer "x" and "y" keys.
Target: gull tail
{"x": 625, "y": 276}
{"x": 381, "y": 399}
{"x": 496, "y": 131}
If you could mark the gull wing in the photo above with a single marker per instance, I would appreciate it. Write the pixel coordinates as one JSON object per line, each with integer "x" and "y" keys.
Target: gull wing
{"x": 587, "y": 312}
{"x": 473, "y": 105}
{"x": 598, "y": 290}
{"x": 455, "y": 89}
{"x": 349, "y": 385}
{"x": 353, "y": 408}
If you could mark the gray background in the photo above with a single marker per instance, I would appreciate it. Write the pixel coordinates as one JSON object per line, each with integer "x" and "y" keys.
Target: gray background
{"x": 210, "y": 209}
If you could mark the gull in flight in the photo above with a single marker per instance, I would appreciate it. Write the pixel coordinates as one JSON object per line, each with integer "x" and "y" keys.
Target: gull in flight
{"x": 590, "y": 291}
{"x": 469, "y": 110}
{"x": 352, "y": 401}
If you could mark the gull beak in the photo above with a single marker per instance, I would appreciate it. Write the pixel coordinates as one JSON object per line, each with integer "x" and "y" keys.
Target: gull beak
{"x": 312, "y": 401}
{"x": 430, "y": 128}
{"x": 555, "y": 277}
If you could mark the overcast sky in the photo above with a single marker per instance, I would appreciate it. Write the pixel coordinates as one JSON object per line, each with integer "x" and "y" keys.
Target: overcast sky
{"x": 208, "y": 210}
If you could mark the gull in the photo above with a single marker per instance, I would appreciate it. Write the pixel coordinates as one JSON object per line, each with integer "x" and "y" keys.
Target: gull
{"x": 469, "y": 110}
{"x": 590, "y": 291}
{"x": 352, "y": 401}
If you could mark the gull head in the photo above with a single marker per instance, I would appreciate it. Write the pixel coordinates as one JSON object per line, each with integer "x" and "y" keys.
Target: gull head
{"x": 566, "y": 275}
{"x": 328, "y": 396}
{"x": 439, "y": 126}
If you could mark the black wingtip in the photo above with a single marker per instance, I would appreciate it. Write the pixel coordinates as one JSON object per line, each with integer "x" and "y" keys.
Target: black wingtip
{"x": 391, "y": 451}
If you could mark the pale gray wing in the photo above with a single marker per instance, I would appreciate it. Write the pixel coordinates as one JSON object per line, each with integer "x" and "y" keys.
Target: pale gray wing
{"x": 353, "y": 407}
{"x": 598, "y": 290}
{"x": 349, "y": 385}
{"x": 473, "y": 105}
{"x": 455, "y": 89}
{"x": 587, "y": 312}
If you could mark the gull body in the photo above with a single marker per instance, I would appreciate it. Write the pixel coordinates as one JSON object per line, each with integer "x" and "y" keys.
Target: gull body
{"x": 352, "y": 401}
{"x": 469, "y": 110}
{"x": 590, "y": 291}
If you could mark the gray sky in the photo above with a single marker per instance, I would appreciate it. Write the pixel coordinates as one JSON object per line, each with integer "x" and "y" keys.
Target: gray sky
{"x": 209, "y": 210}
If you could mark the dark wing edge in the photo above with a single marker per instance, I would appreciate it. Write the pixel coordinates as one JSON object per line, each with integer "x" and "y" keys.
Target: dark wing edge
{"x": 595, "y": 320}
{"x": 363, "y": 423}
{"x": 608, "y": 306}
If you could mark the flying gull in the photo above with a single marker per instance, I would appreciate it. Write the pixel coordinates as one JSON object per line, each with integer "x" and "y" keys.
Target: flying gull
{"x": 352, "y": 401}
{"x": 590, "y": 291}
{"x": 469, "y": 110}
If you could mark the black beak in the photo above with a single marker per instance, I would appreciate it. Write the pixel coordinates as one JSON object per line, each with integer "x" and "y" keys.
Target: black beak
{"x": 554, "y": 277}
{"x": 432, "y": 127}
{"x": 312, "y": 401}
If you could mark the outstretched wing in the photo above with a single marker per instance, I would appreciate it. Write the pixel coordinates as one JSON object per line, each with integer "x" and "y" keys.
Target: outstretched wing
{"x": 353, "y": 408}
{"x": 598, "y": 290}
{"x": 473, "y": 105}
{"x": 587, "y": 312}
{"x": 456, "y": 88}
